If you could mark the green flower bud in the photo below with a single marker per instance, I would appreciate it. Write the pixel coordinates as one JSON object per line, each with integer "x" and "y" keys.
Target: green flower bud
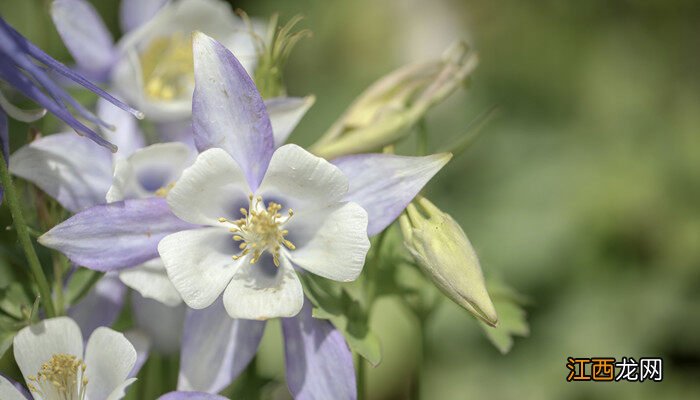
{"x": 440, "y": 247}
{"x": 386, "y": 111}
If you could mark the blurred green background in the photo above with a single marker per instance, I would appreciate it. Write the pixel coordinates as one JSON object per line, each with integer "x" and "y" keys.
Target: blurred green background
{"x": 583, "y": 193}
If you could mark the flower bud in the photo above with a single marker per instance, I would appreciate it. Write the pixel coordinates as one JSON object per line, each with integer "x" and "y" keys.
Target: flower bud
{"x": 386, "y": 110}
{"x": 440, "y": 247}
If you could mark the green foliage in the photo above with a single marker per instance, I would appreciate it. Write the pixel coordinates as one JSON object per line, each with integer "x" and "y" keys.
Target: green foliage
{"x": 511, "y": 316}
{"x": 80, "y": 283}
{"x": 347, "y": 313}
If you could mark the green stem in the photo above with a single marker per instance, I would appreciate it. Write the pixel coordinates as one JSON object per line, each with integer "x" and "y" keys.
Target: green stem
{"x": 24, "y": 239}
{"x": 423, "y": 344}
{"x": 361, "y": 378}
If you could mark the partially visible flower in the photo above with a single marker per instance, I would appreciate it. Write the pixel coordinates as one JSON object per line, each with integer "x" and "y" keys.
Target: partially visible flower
{"x": 318, "y": 361}
{"x": 386, "y": 110}
{"x": 79, "y": 176}
{"x": 155, "y": 70}
{"x": 26, "y": 68}
{"x": 440, "y": 247}
{"x": 55, "y": 365}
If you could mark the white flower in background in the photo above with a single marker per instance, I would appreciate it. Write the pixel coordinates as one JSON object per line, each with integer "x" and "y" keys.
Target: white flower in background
{"x": 55, "y": 366}
{"x": 155, "y": 68}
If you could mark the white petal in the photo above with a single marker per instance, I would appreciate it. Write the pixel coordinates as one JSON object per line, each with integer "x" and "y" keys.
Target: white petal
{"x": 36, "y": 344}
{"x": 213, "y": 187}
{"x": 162, "y": 323}
{"x": 212, "y": 17}
{"x": 120, "y": 391}
{"x": 263, "y": 291}
{"x": 199, "y": 263}
{"x": 151, "y": 281}
{"x": 8, "y": 390}
{"x": 338, "y": 246}
{"x": 67, "y": 167}
{"x": 109, "y": 357}
{"x": 147, "y": 170}
{"x": 302, "y": 180}
{"x": 285, "y": 113}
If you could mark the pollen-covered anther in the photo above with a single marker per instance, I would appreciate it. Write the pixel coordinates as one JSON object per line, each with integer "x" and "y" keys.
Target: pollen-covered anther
{"x": 261, "y": 229}
{"x": 167, "y": 67}
{"x": 62, "y": 377}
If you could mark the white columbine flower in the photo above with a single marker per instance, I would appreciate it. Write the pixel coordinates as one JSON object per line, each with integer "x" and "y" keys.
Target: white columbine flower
{"x": 263, "y": 212}
{"x": 155, "y": 68}
{"x": 254, "y": 236}
{"x": 55, "y": 366}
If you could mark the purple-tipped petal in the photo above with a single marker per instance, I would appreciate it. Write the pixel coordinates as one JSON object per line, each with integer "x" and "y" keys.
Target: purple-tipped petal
{"x": 191, "y": 396}
{"x": 116, "y": 235}
{"x": 317, "y": 359}
{"x": 68, "y": 168}
{"x": 134, "y": 13}
{"x": 101, "y": 306}
{"x": 85, "y": 35}
{"x": 227, "y": 110}
{"x": 384, "y": 184}
{"x": 224, "y": 345}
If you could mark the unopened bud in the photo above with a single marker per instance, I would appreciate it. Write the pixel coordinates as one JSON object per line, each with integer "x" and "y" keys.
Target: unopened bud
{"x": 442, "y": 250}
{"x": 386, "y": 110}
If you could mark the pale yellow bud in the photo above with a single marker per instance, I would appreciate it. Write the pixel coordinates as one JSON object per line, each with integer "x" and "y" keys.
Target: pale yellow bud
{"x": 386, "y": 110}
{"x": 440, "y": 247}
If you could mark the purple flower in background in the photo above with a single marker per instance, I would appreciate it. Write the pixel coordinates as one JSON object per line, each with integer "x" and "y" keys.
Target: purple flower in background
{"x": 26, "y": 68}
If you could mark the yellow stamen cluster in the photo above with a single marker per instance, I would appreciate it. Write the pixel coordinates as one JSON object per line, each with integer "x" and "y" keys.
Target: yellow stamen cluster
{"x": 163, "y": 192}
{"x": 261, "y": 229}
{"x": 167, "y": 67}
{"x": 61, "y": 378}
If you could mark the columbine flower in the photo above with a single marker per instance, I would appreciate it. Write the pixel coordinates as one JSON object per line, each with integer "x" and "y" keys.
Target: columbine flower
{"x": 151, "y": 65}
{"x": 318, "y": 360}
{"x": 55, "y": 366}
{"x": 26, "y": 68}
{"x": 229, "y": 114}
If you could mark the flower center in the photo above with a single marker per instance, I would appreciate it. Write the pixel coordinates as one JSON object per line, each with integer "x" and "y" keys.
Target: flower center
{"x": 261, "y": 229}
{"x": 60, "y": 378}
{"x": 167, "y": 67}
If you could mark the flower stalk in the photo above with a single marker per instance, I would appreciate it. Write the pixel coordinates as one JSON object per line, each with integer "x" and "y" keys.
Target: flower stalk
{"x": 24, "y": 239}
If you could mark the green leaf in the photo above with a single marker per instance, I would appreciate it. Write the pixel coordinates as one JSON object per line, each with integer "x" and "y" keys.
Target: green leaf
{"x": 5, "y": 341}
{"x": 511, "y": 316}
{"x": 80, "y": 283}
{"x": 8, "y": 329}
{"x": 347, "y": 314}
{"x": 13, "y": 298}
